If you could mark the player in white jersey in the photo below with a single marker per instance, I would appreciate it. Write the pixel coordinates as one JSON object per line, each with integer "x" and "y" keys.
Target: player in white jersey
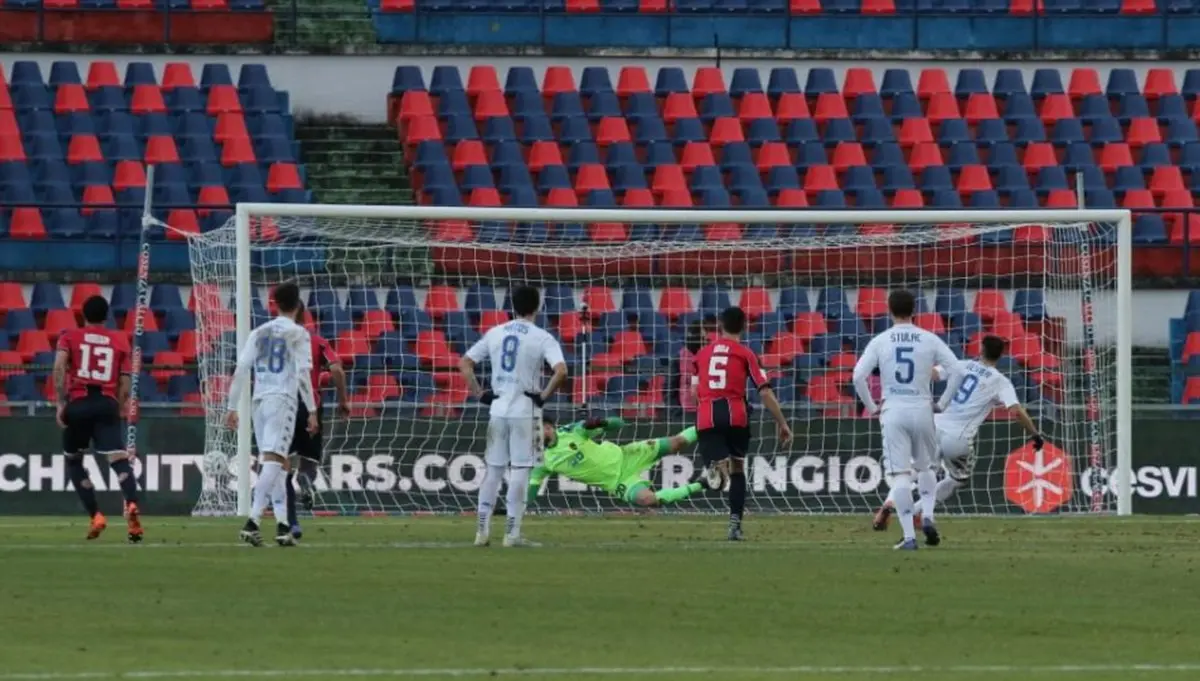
{"x": 906, "y": 356}
{"x": 517, "y": 350}
{"x": 983, "y": 387}
{"x": 279, "y": 354}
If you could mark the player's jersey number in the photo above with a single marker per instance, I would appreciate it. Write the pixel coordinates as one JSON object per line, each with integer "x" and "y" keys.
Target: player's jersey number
{"x": 906, "y": 369}
{"x": 508, "y": 352}
{"x": 965, "y": 389}
{"x": 272, "y": 353}
{"x": 95, "y": 363}
{"x": 717, "y": 376}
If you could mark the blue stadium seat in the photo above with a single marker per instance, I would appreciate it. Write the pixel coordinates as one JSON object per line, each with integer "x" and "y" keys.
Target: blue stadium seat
{"x": 46, "y": 296}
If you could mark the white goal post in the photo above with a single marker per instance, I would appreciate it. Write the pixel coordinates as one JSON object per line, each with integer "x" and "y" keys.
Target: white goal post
{"x": 1087, "y": 273}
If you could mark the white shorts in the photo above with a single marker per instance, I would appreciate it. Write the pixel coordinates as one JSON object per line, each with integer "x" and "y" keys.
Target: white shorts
{"x": 957, "y": 453}
{"x": 909, "y": 440}
{"x": 275, "y": 423}
{"x": 515, "y": 442}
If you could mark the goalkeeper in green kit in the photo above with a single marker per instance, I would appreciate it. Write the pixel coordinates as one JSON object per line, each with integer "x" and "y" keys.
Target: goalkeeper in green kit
{"x": 573, "y": 451}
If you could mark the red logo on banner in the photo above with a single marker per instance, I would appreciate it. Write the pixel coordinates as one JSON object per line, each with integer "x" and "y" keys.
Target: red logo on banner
{"x": 1038, "y": 482}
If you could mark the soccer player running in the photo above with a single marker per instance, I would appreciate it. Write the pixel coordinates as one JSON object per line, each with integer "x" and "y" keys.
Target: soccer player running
{"x": 279, "y": 354}
{"x": 982, "y": 388}
{"x": 517, "y": 350}
{"x": 905, "y": 356}
{"x": 91, "y": 378}
{"x": 307, "y": 447}
{"x": 573, "y": 451}
{"x": 722, "y": 412}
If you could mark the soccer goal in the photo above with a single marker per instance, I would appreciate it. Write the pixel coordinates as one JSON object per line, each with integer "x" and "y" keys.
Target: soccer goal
{"x": 402, "y": 291}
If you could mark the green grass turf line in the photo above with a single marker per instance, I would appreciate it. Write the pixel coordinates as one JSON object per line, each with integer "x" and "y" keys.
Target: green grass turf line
{"x": 640, "y": 598}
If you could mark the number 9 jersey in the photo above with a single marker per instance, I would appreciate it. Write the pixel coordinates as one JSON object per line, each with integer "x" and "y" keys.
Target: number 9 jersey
{"x": 517, "y": 350}
{"x": 982, "y": 388}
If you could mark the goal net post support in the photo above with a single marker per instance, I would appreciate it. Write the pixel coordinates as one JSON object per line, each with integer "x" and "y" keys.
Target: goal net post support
{"x": 1081, "y": 269}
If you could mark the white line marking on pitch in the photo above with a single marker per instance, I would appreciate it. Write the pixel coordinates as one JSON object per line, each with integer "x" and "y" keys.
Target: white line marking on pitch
{"x": 796, "y": 670}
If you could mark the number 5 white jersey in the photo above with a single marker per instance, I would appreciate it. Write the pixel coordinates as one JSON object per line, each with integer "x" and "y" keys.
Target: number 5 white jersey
{"x": 905, "y": 355}
{"x": 982, "y": 388}
{"x": 517, "y": 350}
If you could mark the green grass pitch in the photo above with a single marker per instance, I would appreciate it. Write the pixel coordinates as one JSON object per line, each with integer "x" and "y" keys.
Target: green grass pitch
{"x": 660, "y": 598}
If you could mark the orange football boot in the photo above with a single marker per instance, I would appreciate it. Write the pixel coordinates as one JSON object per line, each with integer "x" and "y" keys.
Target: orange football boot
{"x": 133, "y": 516}
{"x": 99, "y": 524}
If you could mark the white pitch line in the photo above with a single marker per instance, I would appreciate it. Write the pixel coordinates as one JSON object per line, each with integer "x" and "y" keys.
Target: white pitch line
{"x": 568, "y": 672}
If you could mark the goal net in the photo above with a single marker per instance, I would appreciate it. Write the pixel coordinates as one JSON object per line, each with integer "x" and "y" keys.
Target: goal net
{"x": 401, "y": 293}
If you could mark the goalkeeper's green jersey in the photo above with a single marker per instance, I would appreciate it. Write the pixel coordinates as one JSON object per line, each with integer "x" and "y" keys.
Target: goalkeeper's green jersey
{"x": 577, "y": 455}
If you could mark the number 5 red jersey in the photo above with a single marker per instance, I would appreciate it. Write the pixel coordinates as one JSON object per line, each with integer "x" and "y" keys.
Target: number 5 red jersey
{"x": 95, "y": 357}
{"x": 722, "y": 369}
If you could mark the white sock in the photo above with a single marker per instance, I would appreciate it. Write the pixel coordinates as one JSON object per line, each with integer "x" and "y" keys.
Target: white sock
{"x": 279, "y": 498}
{"x": 891, "y": 497}
{"x": 902, "y": 486}
{"x": 926, "y": 482}
{"x": 264, "y": 488}
{"x": 946, "y": 488}
{"x": 518, "y": 487}
{"x": 489, "y": 490}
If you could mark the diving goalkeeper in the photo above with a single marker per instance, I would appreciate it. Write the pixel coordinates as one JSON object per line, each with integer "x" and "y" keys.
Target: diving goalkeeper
{"x": 575, "y": 452}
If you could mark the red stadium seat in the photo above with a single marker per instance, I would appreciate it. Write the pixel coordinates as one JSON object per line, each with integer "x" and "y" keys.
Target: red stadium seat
{"x": 414, "y": 103}
{"x": 989, "y": 303}
{"x": 283, "y": 176}
{"x": 58, "y": 321}
{"x": 872, "y": 302}
{"x": 930, "y": 321}
{"x": 1142, "y": 131}
{"x": 804, "y": 7}
{"x": 638, "y": 198}
{"x": 1061, "y": 198}
{"x": 96, "y": 197}
{"x": 177, "y": 74}
{"x": 858, "y": 81}
{"x": 791, "y": 106}
{"x": 1114, "y": 155}
{"x": 183, "y": 221}
{"x": 753, "y": 106}
{"x": 1159, "y": 82}
{"x": 1167, "y": 179}
{"x": 1024, "y": 346}
{"x": 722, "y": 231}
{"x": 1138, "y": 198}
{"x": 772, "y": 155}
{"x": 808, "y": 325}
{"x": 633, "y": 80}
{"x": 612, "y": 129}
{"x": 1039, "y": 155}
{"x": 229, "y": 126}
{"x": 628, "y": 345}
{"x": 1056, "y": 107}
{"x": 351, "y": 344}
{"x": 210, "y": 6}
{"x": 541, "y": 155}
{"x": 932, "y": 81}
{"x": 160, "y": 149}
{"x": 878, "y": 7}
{"x": 490, "y": 104}
{"x": 608, "y": 232}
{"x": 32, "y": 342}
{"x": 724, "y": 131}
{"x": 454, "y": 230}
{"x": 12, "y": 298}
{"x": 212, "y": 198}
{"x": 1139, "y": 7}
{"x": 431, "y": 348}
{"x": 79, "y": 294}
{"x": 128, "y": 175}
{"x": 26, "y": 223}
{"x": 819, "y": 178}
{"x": 755, "y": 301}
{"x": 590, "y": 177}
{"x": 102, "y": 74}
{"x": 942, "y": 106}
{"x": 848, "y": 154}
{"x": 561, "y": 197}
{"x": 383, "y": 387}
{"x": 908, "y": 198}
{"x": 570, "y": 325}
{"x": 71, "y": 98}
{"x": 915, "y": 131}
{"x": 482, "y": 78}
{"x": 980, "y": 106}
{"x": 829, "y": 105}
{"x": 973, "y": 178}
{"x": 469, "y": 153}
{"x": 147, "y": 99}
{"x": 924, "y": 155}
{"x": 783, "y": 348}
{"x": 10, "y": 364}
{"x": 419, "y": 129}
{"x": 696, "y": 154}
{"x": 668, "y": 176}
{"x": 1191, "y": 346}
{"x": 599, "y": 300}
{"x": 129, "y": 323}
{"x": 1191, "y": 389}
{"x": 558, "y": 79}
{"x": 791, "y": 198}
{"x": 677, "y": 106}
{"x": 1031, "y": 234}
{"x": 11, "y": 148}
{"x": 236, "y": 152}
{"x": 222, "y": 99}
{"x": 674, "y": 301}
{"x": 1008, "y": 325}
{"x": 1084, "y": 81}
{"x": 827, "y": 390}
{"x": 843, "y": 360}
{"x": 583, "y": 6}
{"x": 1024, "y": 8}
{"x": 84, "y": 149}
{"x": 6, "y": 103}
{"x": 375, "y": 322}
{"x": 440, "y": 300}
{"x": 708, "y": 81}
{"x": 167, "y": 364}
{"x": 1042, "y": 360}
{"x": 397, "y": 5}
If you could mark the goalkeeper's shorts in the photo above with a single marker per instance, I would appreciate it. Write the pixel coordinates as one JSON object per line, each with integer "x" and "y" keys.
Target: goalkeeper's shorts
{"x": 640, "y": 457}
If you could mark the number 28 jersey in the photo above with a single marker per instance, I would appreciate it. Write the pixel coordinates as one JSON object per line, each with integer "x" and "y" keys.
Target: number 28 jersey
{"x": 96, "y": 357}
{"x": 280, "y": 353}
{"x": 517, "y": 350}
{"x": 721, "y": 370}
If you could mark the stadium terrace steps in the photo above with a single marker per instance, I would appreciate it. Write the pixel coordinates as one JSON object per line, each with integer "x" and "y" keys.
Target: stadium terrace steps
{"x": 353, "y": 163}
{"x": 333, "y": 25}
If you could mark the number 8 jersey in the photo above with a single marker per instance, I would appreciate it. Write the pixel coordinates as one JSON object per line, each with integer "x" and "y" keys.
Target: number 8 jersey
{"x": 517, "y": 350}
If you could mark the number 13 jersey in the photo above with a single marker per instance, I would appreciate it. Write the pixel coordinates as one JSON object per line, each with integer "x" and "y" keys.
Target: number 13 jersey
{"x": 96, "y": 357}
{"x": 517, "y": 350}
